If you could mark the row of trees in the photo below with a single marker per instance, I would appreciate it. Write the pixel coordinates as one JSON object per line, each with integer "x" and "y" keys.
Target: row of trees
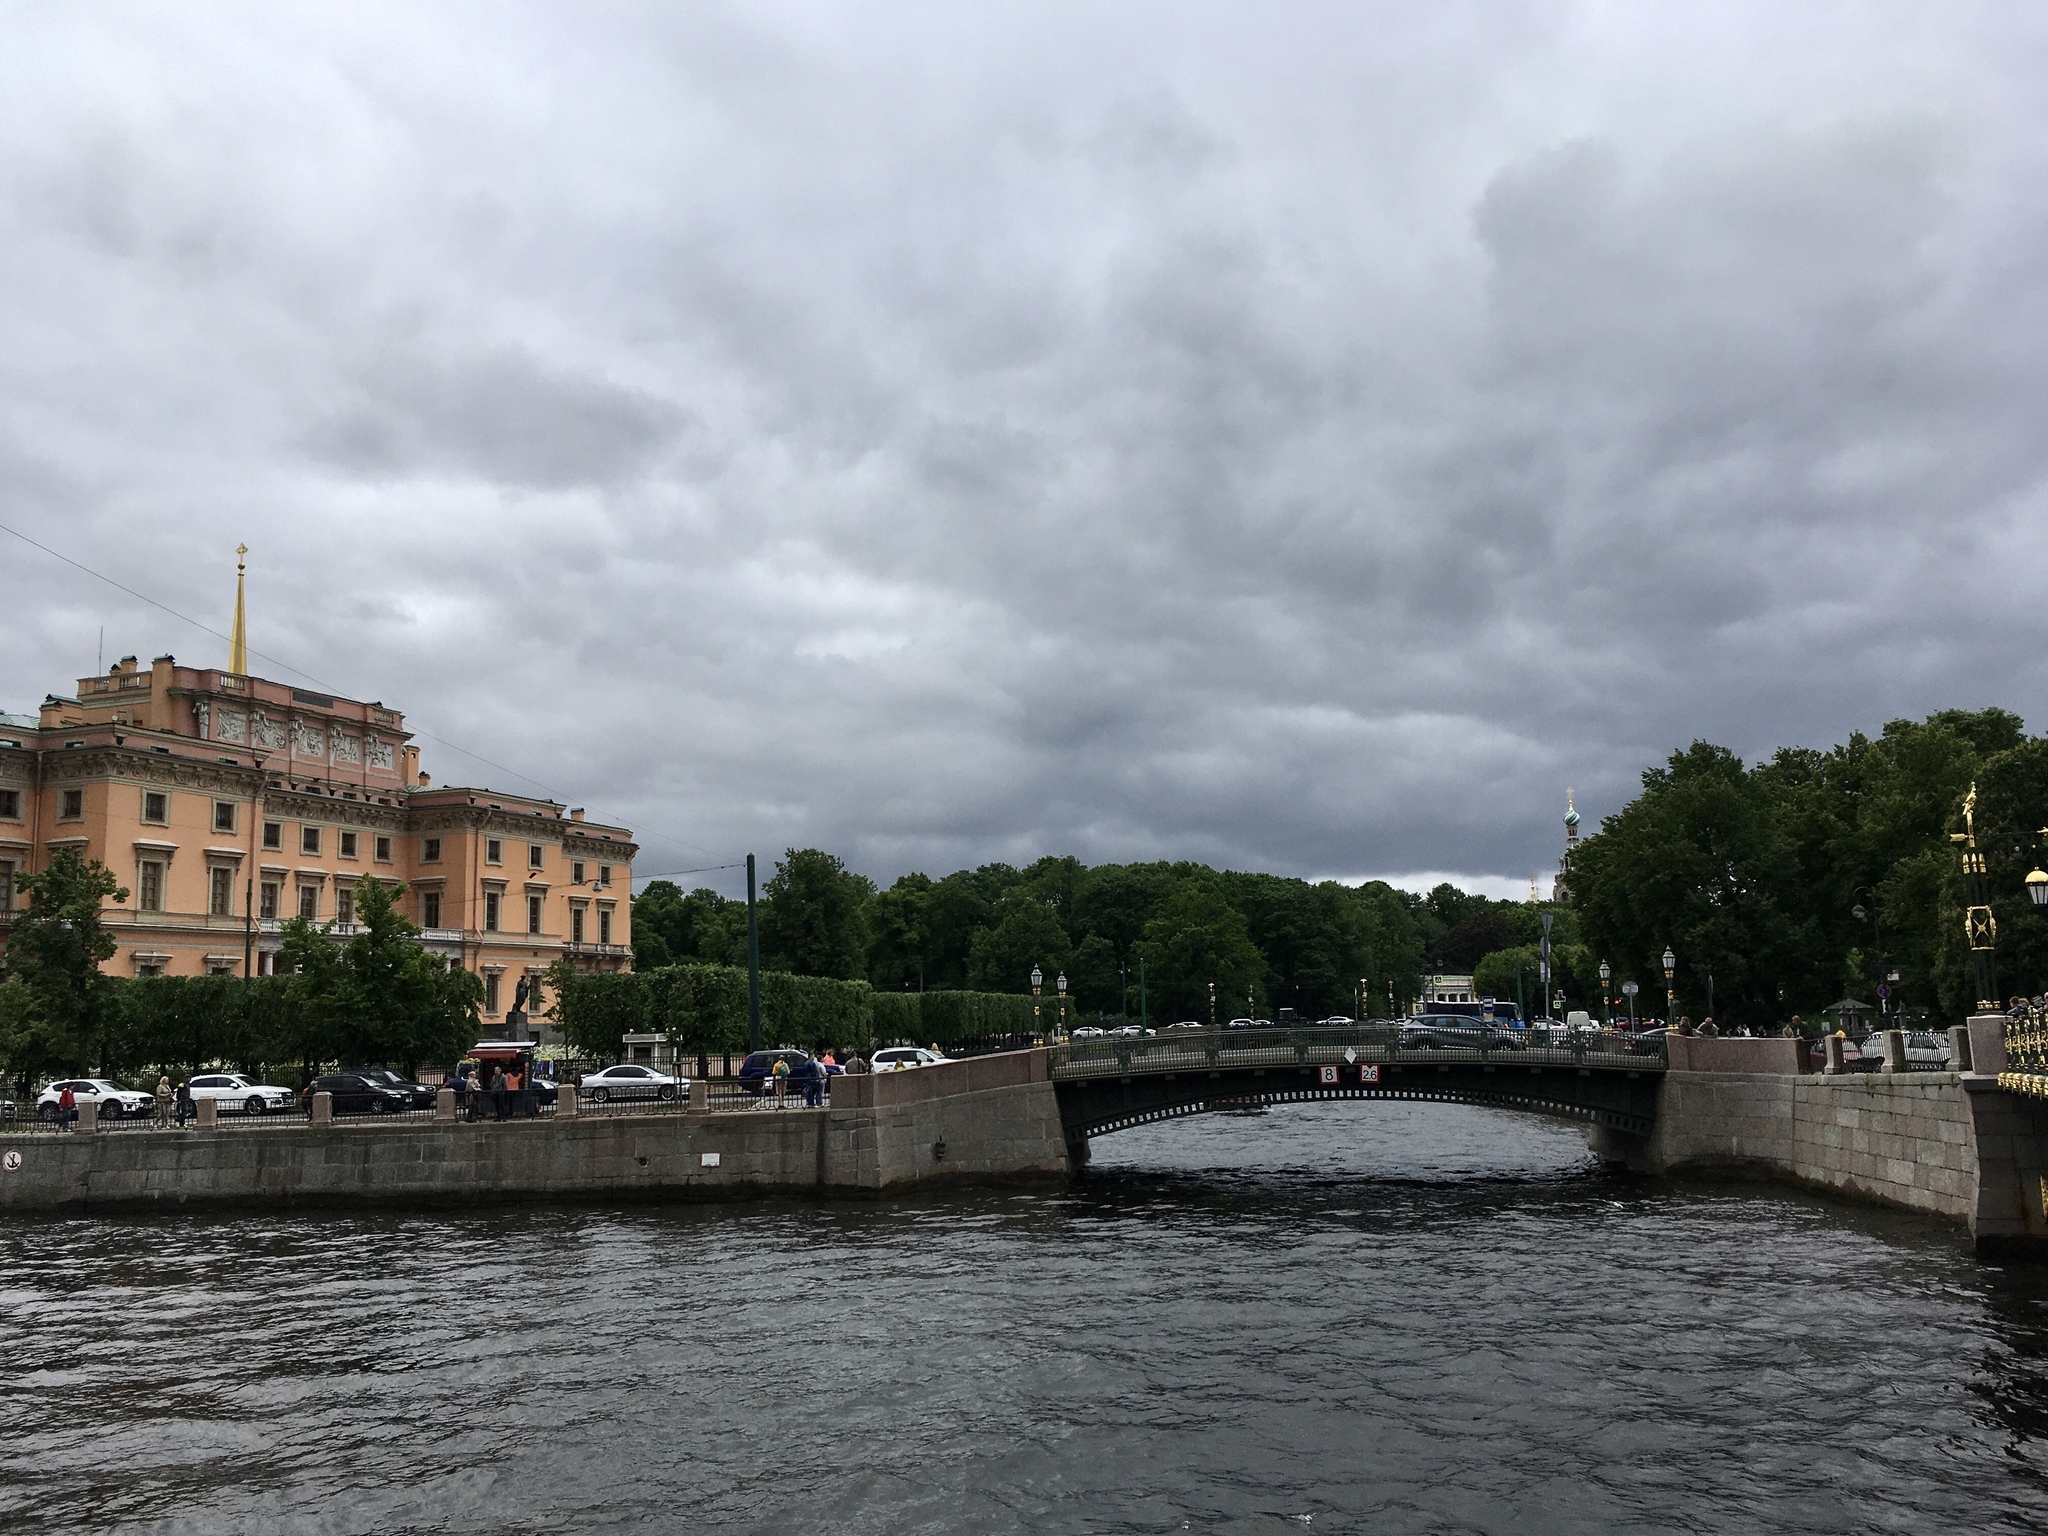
{"x": 1265, "y": 941}
{"x": 378, "y": 997}
{"x": 1754, "y": 875}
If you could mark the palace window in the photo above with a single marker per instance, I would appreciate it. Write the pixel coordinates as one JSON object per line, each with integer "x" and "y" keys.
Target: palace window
{"x": 223, "y": 815}
{"x": 309, "y": 840}
{"x": 220, "y": 895}
{"x": 344, "y": 904}
{"x": 490, "y": 991}
{"x": 430, "y": 850}
{"x": 575, "y": 925}
{"x": 576, "y": 873}
{"x": 383, "y": 850}
{"x": 430, "y": 909}
{"x": 533, "y": 914}
{"x": 491, "y": 900}
{"x": 6, "y": 885}
{"x": 604, "y": 874}
{"x": 267, "y": 910}
{"x": 72, "y": 805}
{"x": 10, "y": 805}
{"x": 494, "y": 851}
{"x": 309, "y": 902}
{"x": 273, "y": 834}
{"x": 348, "y": 845}
{"x": 150, "y": 888}
{"x": 149, "y": 968}
{"x": 604, "y": 925}
{"x": 534, "y": 856}
{"x": 156, "y": 807}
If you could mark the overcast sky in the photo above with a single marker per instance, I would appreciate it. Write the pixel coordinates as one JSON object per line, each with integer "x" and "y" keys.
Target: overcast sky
{"x": 1291, "y": 437}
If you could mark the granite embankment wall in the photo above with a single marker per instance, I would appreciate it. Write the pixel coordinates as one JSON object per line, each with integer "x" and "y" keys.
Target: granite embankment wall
{"x": 1953, "y": 1144}
{"x": 990, "y": 1120}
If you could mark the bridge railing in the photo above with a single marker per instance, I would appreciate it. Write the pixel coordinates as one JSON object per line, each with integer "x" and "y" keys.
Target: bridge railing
{"x": 1190, "y": 1050}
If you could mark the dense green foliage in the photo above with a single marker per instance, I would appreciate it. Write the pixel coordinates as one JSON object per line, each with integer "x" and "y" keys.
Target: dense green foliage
{"x": 379, "y": 998}
{"x": 1752, "y": 874}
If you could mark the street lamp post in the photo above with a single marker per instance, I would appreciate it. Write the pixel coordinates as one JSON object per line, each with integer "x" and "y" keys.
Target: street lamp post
{"x": 1628, "y": 990}
{"x": 1037, "y": 982}
{"x": 1212, "y": 1005}
{"x": 1606, "y": 1009}
{"x": 1979, "y": 926}
{"x": 1860, "y": 912}
{"x": 1062, "y": 985}
{"x": 1670, "y": 989}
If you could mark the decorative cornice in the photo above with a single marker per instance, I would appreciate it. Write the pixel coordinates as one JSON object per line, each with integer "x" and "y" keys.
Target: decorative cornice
{"x": 130, "y": 766}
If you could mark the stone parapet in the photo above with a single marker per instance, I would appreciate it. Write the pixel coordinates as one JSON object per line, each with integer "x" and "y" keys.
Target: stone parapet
{"x": 1702, "y": 1053}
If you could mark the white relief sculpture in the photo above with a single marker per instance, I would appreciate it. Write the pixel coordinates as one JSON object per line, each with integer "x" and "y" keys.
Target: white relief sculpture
{"x": 269, "y": 733}
{"x": 346, "y": 748}
{"x": 308, "y": 740}
{"x": 231, "y": 725}
{"x": 381, "y": 755}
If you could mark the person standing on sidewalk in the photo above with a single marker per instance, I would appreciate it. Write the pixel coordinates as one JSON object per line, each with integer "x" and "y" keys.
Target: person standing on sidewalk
{"x": 67, "y": 1106}
{"x": 163, "y": 1100}
{"x": 186, "y": 1109}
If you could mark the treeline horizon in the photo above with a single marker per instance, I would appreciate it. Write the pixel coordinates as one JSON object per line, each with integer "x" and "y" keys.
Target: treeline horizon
{"x": 1750, "y": 874}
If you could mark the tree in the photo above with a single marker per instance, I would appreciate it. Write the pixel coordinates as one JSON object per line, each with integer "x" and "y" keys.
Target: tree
{"x": 815, "y": 920}
{"x": 1198, "y": 938}
{"x": 59, "y": 1016}
{"x": 1027, "y": 935}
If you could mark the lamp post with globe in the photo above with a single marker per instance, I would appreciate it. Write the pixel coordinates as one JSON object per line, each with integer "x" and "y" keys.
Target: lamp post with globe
{"x": 1037, "y": 985}
{"x": 1606, "y": 1009}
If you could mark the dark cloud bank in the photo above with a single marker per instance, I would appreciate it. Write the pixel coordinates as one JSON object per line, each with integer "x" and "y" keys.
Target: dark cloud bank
{"x": 1300, "y": 439}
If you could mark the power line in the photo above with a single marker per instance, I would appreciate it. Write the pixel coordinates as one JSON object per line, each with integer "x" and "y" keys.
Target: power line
{"x": 439, "y": 741}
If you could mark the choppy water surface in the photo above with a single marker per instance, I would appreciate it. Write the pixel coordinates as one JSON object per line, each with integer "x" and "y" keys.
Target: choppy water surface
{"x": 1336, "y": 1317}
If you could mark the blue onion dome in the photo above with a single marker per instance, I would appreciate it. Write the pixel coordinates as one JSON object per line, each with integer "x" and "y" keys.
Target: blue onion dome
{"x": 1571, "y": 818}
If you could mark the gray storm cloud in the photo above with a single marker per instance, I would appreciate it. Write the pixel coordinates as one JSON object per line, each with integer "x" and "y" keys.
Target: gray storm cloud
{"x": 1302, "y": 439}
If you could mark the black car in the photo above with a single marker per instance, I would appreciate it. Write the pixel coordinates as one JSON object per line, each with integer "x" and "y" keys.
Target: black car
{"x": 422, "y": 1096}
{"x": 355, "y": 1093}
{"x": 1457, "y": 1032}
{"x": 757, "y": 1071}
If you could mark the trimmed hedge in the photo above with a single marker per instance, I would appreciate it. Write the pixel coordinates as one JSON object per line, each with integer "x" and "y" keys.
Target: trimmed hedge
{"x": 703, "y": 1008}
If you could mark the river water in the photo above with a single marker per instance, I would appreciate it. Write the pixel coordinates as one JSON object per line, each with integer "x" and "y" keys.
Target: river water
{"x": 1331, "y": 1318}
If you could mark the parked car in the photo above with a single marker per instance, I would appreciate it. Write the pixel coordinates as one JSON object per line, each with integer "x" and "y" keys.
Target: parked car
{"x": 1187, "y": 1024}
{"x": 897, "y": 1058}
{"x": 757, "y": 1071}
{"x": 631, "y": 1082}
{"x": 355, "y": 1094}
{"x": 1335, "y": 1021}
{"x": 1925, "y": 1051}
{"x": 422, "y": 1096}
{"x": 1240, "y": 1024}
{"x": 233, "y": 1093}
{"x": 114, "y": 1100}
{"x": 7, "y": 1109}
{"x": 1648, "y": 1041}
{"x": 1089, "y": 1032}
{"x": 1456, "y": 1032}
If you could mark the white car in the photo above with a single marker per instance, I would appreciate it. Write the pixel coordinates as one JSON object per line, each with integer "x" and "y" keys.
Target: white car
{"x": 897, "y": 1058}
{"x": 1187, "y": 1024}
{"x": 1088, "y": 1032}
{"x": 233, "y": 1093}
{"x": 631, "y": 1082}
{"x": 114, "y": 1100}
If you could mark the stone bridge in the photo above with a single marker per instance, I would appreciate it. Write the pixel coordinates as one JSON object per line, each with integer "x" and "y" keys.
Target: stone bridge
{"x": 1115, "y": 1083}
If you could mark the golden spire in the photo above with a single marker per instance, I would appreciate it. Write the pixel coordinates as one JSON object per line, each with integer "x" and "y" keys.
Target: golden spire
{"x": 238, "y": 647}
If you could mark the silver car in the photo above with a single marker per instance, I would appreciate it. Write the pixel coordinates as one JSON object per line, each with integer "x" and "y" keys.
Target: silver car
{"x": 631, "y": 1082}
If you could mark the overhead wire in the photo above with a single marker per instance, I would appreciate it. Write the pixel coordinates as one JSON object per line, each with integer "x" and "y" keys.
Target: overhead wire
{"x": 322, "y": 683}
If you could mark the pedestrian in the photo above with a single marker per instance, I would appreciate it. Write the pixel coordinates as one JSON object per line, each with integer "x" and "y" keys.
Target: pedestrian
{"x": 781, "y": 1080}
{"x": 67, "y": 1108}
{"x": 163, "y": 1100}
{"x": 1707, "y": 1027}
{"x": 1685, "y": 1024}
{"x": 497, "y": 1092}
{"x": 186, "y": 1109}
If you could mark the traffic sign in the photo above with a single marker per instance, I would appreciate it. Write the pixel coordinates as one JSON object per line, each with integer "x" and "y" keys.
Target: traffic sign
{"x": 1628, "y": 989}
{"x": 1884, "y": 989}
{"x": 1369, "y": 1072}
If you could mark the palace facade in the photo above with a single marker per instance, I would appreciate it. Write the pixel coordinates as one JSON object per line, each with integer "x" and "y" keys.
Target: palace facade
{"x": 227, "y": 804}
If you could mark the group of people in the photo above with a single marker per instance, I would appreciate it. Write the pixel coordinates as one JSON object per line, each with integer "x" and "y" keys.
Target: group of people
{"x": 504, "y": 1092}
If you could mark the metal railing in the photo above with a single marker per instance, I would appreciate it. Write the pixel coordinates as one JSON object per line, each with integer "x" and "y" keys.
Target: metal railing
{"x": 1212, "y": 1049}
{"x": 2026, "y": 1050}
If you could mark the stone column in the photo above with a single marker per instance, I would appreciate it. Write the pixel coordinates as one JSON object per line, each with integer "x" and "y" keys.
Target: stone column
{"x": 444, "y": 1104}
{"x": 1835, "y": 1062}
{"x": 1987, "y": 1043}
{"x": 566, "y": 1098}
{"x": 1895, "y": 1051}
{"x": 323, "y": 1108}
{"x": 88, "y": 1114}
{"x": 700, "y": 1096}
{"x": 209, "y": 1113}
{"x": 1959, "y": 1048}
